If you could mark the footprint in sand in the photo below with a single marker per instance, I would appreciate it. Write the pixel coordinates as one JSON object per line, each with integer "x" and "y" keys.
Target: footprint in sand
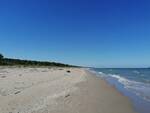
{"x": 17, "y": 92}
{"x": 3, "y": 76}
{"x": 20, "y": 74}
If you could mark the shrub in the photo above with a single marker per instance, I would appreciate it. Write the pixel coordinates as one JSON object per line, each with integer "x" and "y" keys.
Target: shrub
{"x": 1, "y": 56}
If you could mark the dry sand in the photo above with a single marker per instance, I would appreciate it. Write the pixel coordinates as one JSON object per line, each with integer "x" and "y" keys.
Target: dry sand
{"x": 54, "y": 90}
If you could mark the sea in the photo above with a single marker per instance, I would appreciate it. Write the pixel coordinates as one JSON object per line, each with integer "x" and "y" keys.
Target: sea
{"x": 131, "y": 82}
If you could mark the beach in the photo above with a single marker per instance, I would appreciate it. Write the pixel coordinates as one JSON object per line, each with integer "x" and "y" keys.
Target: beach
{"x": 58, "y": 90}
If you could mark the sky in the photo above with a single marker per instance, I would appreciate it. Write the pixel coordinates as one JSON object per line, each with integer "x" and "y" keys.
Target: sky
{"x": 99, "y": 33}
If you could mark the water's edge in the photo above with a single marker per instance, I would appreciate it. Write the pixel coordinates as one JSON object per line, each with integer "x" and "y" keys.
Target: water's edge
{"x": 140, "y": 105}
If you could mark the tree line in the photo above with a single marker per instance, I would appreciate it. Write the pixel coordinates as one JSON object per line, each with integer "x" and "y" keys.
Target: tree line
{"x": 12, "y": 62}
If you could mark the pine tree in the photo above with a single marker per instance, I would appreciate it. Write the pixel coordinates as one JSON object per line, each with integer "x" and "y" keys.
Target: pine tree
{"x": 1, "y": 56}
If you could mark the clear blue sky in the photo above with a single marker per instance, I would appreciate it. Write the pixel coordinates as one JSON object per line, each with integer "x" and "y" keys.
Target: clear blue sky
{"x": 102, "y": 33}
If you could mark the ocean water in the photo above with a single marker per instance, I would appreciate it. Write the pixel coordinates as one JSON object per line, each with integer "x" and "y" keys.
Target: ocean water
{"x": 132, "y": 82}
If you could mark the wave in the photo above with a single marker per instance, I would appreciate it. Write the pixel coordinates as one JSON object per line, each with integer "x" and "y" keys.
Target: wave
{"x": 136, "y": 72}
{"x": 139, "y": 88}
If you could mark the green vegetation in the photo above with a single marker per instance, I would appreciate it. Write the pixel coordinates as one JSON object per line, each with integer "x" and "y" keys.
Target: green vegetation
{"x": 1, "y": 56}
{"x": 13, "y": 62}
{"x": 1, "y": 59}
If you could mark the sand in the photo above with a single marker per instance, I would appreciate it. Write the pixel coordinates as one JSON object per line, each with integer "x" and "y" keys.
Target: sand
{"x": 54, "y": 90}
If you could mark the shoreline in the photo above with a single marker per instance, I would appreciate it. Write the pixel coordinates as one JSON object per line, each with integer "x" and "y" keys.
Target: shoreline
{"x": 111, "y": 94}
{"x": 124, "y": 85}
{"x": 58, "y": 90}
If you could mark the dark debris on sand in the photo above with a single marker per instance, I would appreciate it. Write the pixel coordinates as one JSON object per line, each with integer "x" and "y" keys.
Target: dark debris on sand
{"x": 68, "y": 71}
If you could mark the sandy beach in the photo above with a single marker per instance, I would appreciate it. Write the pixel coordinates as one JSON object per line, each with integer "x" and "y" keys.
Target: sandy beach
{"x": 58, "y": 90}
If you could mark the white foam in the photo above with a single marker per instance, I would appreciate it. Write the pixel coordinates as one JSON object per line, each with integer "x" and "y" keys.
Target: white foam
{"x": 136, "y": 72}
{"x": 139, "y": 88}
